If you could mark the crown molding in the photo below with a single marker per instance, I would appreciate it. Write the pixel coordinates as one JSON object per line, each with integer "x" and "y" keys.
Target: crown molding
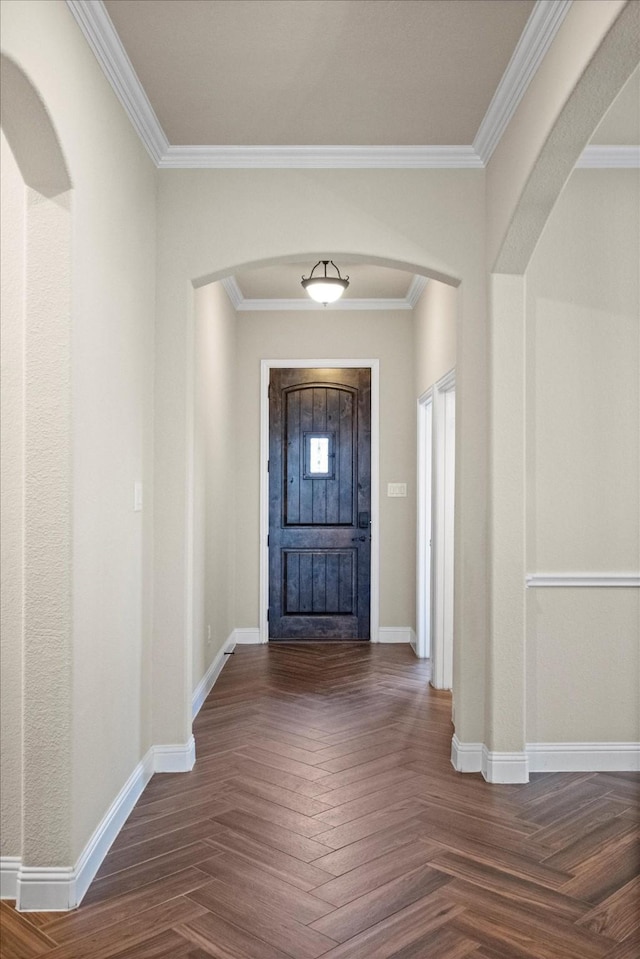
{"x": 539, "y": 32}
{"x": 416, "y": 289}
{"x": 320, "y": 157}
{"x": 233, "y": 291}
{"x": 265, "y": 305}
{"x": 248, "y": 306}
{"x": 101, "y": 35}
{"x": 596, "y": 157}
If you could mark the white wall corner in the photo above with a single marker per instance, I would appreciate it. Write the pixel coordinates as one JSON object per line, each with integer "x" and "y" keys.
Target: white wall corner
{"x": 207, "y": 682}
{"x": 246, "y": 636}
{"x": 466, "y": 757}
{"x": 9, "y": 867}
{"x": 583, "y": 757}
{"x": 505, "y": 767}
{"x": 395, "y": 634}
{"x": 178, "y": 758}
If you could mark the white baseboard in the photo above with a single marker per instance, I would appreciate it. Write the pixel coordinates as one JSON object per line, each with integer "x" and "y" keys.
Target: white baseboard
{"x": 9, "y": 866}
{"x": 207, "y": 682}
{"x": 246, "y": 636}
{"x": 514, "y": 767}
{"x": 56, "y": 889}
{"x": 507, "y": 767}
{"x": 179, "y": 758}
{"x": 395, "y": 634}
{"x": 496, "y": 767}
{"x": 466, "y": 757}
{"x": 583, "y": 757}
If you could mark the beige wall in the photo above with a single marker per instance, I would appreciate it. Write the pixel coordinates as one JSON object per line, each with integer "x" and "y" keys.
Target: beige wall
{"x": 12, "y": 222}
{"x": 213, "y": 221}
{"x": 333, "y": 334}
{"x": 215, "y": 476}
{"x": 111, "y": 367}
{"x": 435, "y": 320}
{"x": 583, "y": 461}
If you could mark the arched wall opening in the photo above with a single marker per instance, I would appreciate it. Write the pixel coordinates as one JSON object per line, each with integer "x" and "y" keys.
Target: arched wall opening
{"x": 36, "y": 384}
{"x": 390, "y": 336}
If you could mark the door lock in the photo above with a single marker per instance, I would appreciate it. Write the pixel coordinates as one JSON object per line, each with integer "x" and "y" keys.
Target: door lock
{"x": 356, "y": 539}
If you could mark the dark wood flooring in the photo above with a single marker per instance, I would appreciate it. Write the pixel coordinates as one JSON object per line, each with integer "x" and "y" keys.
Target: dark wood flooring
{"x": 323, "y": 818}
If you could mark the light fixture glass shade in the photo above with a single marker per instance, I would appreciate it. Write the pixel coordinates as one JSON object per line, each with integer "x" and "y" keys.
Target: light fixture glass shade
{"x": 325, "y": 289}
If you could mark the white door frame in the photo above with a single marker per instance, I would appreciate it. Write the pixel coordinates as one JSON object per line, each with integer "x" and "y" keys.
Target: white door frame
{"x": 424, "y": 511}
{"x": 443, "y": 529}
{"x": 436, "y": 492}
{"x": 265, "y": 369}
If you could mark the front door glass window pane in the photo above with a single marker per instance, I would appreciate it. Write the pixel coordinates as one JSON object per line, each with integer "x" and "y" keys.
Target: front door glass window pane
{"x": 319, "y": 455}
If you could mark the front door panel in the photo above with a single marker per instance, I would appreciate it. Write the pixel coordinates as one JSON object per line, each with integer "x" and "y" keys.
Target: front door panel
{"x": 319, "y": 503}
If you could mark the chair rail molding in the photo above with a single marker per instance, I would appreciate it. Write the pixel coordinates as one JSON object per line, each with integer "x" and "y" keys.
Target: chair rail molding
{"x": 536, "y": 580}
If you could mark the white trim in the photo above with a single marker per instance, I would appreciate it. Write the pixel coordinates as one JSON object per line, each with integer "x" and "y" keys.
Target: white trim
{"x": 46, "y": 889}
{"x": 320, "y": 157}
{"x": 424, "y": 579}
{"x": 207, "y": 682}
{"x": 9, "y": 866}
{"x": 583, "y": 757}
{"x": 265, "y": 368}
{"x": 247, "y": 636}
{"x": 597, "y": 157}
{"x": 101, "y": 35}
{"x": 539, "y": 32}
{"x": 233, "y": 291}
{"x": 96, "y": 25}
{"x": 416, "y": 289}
{"x": 511, "y": 767}
{"x": 466, "y": 757}
{"x": 442, "y": 524}
{"x": 260, "y": 305}
{"x": 246, "y": 304}
{"x": 514, "y": 767}
{"x": 395, "y": 634}
{"x": 582, "y": 579}
{"x": 496, "y": 767}
{"x": 52, "y": 888}
{"x": 175, "y": 758}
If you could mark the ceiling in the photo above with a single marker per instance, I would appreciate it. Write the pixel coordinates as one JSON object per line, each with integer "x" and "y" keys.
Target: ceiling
{"x": 340, "y": 72}
{"x": 338, "y": 83}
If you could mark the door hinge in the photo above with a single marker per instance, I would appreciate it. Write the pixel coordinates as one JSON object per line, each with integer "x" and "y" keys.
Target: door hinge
{"x": 267, "y": 539}
{"x": 268, "y": 615}
{"x": 268, "y": 465}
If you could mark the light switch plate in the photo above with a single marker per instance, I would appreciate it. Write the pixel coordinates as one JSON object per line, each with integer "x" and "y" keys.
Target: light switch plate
{"x": 396, "y": 489}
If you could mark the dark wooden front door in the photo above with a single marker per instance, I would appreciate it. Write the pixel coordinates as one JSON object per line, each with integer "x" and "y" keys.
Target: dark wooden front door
{"x": 319, "y": 503}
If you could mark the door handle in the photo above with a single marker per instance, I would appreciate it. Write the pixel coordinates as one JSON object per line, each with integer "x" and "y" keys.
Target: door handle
{"x": 356, "y": 539}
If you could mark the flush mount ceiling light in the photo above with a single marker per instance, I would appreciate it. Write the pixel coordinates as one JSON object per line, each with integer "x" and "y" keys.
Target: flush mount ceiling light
{"x": 325, "y": 289}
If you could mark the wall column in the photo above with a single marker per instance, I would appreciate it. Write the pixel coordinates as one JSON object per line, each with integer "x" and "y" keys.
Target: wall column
{"x": 504, "y": 758}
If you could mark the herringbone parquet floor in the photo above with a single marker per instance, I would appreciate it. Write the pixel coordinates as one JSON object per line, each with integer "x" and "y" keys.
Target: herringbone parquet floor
{"x": 323, "y": 818}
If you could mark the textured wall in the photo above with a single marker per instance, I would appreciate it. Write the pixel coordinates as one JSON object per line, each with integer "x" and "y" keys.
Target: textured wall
{"x": 215, "y": 477}
{"x": 435, "y": 320}
{"x": 12, "y": 223}
{"x": 583, "y": 460}
{"x": 87, "y": 712}
{"x": 212, "y": 221}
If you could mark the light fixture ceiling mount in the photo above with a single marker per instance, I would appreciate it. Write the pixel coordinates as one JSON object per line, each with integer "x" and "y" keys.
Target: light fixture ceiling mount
{"x": 325, "y": 289}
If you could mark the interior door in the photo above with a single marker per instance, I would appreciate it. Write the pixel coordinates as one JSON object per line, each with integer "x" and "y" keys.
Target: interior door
{"x": 319, "y": 504}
